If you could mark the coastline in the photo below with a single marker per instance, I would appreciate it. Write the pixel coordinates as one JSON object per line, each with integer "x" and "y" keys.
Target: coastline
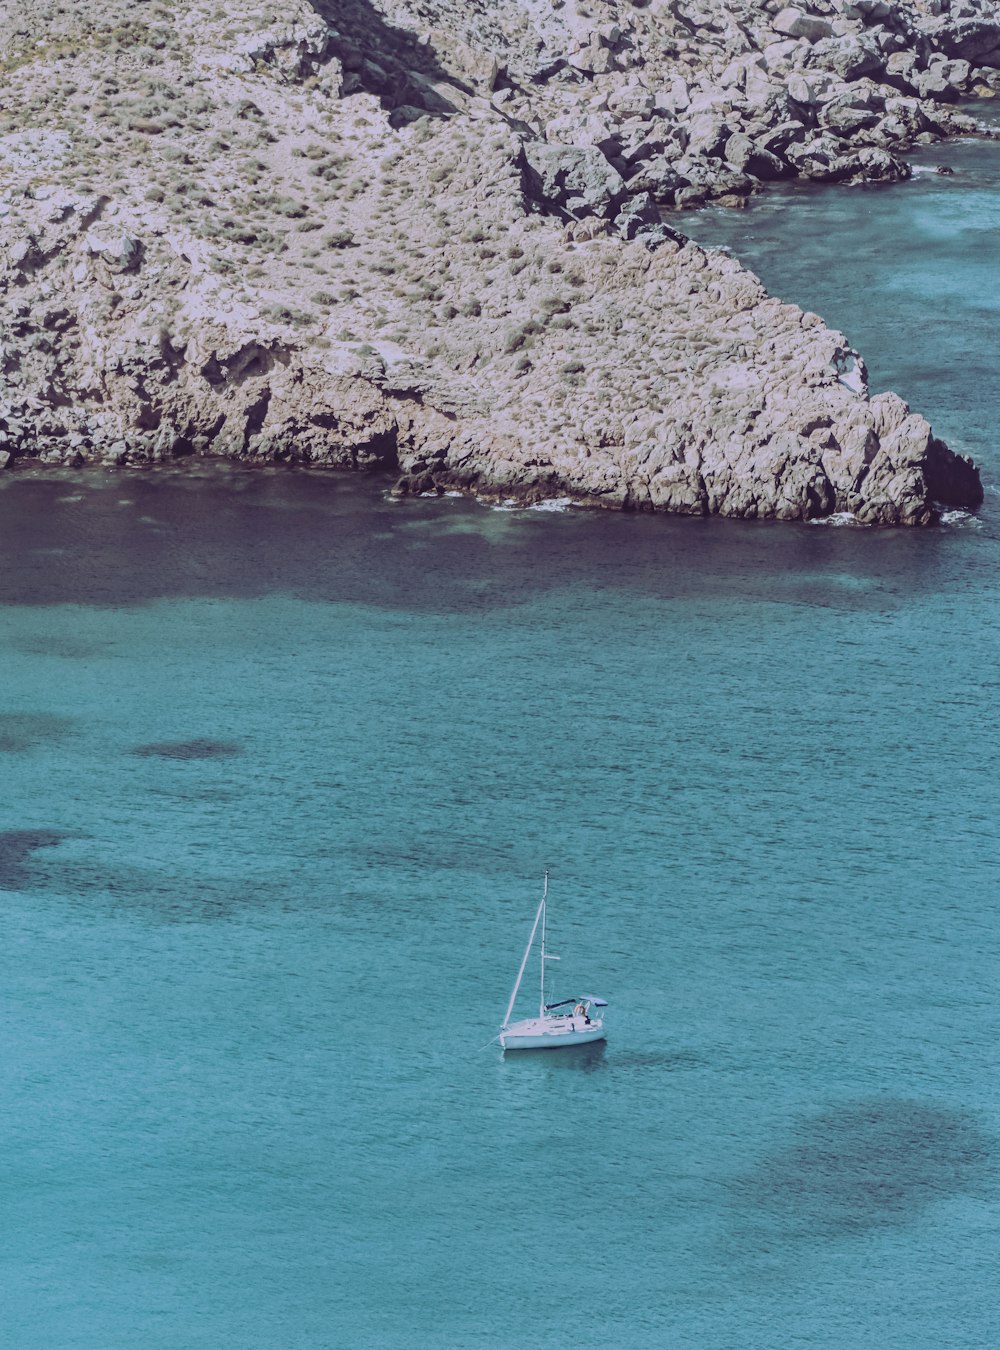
{"x": 502, "y": 312}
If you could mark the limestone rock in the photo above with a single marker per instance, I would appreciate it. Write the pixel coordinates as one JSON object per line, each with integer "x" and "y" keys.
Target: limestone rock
{"x": 797, "y": 23}
{"x": 577, "y": 180}
{"x": 753, "y": 159}
{"x": 849, "y": 58}
{"x": 119, "y": 251}
{"x": 424, "y": 237}
{"x": 632, "y": 100}
{"x": 843, "y": 118}
{"x": 973, "y": 39}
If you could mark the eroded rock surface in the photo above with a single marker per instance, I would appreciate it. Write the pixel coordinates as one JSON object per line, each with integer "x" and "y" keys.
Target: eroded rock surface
{"x": 433, "y": 239}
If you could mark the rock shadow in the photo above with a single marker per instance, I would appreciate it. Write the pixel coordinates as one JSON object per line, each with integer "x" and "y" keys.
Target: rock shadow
{"x": 389, "y": 62}
{"x": 242, "y": 533}
{"x": 202, "y": 747}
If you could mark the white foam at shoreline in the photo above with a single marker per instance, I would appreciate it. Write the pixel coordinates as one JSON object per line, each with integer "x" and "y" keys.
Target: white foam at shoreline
{"x": 963, "y": 519}
{"x": 838, "y": 518}
{"x": 549, "y": 504}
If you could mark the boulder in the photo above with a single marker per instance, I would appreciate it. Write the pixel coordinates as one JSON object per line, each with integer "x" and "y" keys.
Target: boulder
{"x": 849, "y": 58}
{"x": 814, "y": 156}
{"x": 574, "y": 179}
{"x": 867, "y": 11}
{"x": 843, "y": 119}
{"x": 777, "y": 139}
{"x": 594, "y": 59}
{"x": 797, "y": 24}
{"x": 474, "y": 66}
{"x": 652, "y": 147}
{"x": 778, "y": 55}
{"x": 973, "y": 39}
{"x": 632, "y": 100}
{"x": 887, "y": 41}
{"x": 901, "y": 69}
{"x": 934, "y": 84}
{"x": 957, "y": 73}
{"x": 809, "y": 88}
{"x": 595, "y": 130}
{"x": 707, "y": 134}
{"x": 743, "y": 154}
{"x": 871, "y": 164}
{"x": 638, "y": 213}
{"x": 910, "y": 114}
{"x": 742, "y": 71}
{"x": 23, "y": 254}
{"x": 760, "y": 88}
{"x": 118, "y": 250}
{"x": 704, "y": 180}
{"x": 296, "y": 49}
{"x": 658, "y": 176}
{"x": 676, "y": 96}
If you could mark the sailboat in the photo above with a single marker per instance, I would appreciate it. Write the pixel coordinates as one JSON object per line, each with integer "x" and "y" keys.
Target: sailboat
{"x": 551, "y": 1029}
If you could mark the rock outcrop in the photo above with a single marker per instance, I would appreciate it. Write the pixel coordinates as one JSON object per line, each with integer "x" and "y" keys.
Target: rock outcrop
{"x": 434, "y": 239}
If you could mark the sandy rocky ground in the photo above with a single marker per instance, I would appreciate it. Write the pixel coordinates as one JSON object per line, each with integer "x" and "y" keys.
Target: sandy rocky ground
{"x": 443, "y": 238}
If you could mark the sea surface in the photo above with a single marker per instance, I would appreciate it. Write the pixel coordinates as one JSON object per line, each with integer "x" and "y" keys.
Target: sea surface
{"x": 283, "y": 763}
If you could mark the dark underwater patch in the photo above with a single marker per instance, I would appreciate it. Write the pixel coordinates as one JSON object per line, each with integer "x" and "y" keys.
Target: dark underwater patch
{"x": 199, "y": 748}
{"x": 157, "y": 896}
{"x": 25, "y": 730}
{"x": 16, "y": 850}
{"x": 86, "y": 876}
{"x": 57, "y": 644}
{"x": 867, "y": 1165}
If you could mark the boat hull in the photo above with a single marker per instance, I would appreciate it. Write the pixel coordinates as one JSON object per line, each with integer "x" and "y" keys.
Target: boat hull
{"x": 534, "y": 1035}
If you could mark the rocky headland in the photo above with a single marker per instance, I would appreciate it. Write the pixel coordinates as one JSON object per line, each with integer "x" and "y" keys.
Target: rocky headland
{"x": 444, "y": 238}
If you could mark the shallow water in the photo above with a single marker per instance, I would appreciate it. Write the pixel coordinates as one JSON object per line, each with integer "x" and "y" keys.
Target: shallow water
{"x": 284, "y": 762}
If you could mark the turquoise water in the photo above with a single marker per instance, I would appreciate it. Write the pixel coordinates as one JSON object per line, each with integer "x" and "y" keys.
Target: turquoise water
{"x": 284, "y": 762}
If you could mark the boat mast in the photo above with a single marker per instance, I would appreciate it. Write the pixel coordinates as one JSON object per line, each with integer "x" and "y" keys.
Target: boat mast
{"x": 527, "y": 953}
{"x": 545, "y": 891}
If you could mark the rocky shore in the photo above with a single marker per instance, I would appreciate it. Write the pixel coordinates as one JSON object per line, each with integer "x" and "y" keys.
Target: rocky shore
{"x": 444, "y": 238}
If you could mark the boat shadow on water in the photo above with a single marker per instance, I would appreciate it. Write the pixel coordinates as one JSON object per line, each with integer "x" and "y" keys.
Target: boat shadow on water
{"x": 587, "y": 1057}
{"x": 598, "y": 1055}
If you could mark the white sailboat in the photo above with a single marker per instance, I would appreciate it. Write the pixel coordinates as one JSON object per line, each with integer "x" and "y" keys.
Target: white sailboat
{"x": 551, "y": 1029}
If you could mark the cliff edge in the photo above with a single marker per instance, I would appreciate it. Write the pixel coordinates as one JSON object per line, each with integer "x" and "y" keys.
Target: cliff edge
{"x": 438, "y": 237}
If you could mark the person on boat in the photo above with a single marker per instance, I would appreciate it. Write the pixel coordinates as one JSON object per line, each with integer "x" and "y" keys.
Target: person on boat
{"x": 581, "y": 1011}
